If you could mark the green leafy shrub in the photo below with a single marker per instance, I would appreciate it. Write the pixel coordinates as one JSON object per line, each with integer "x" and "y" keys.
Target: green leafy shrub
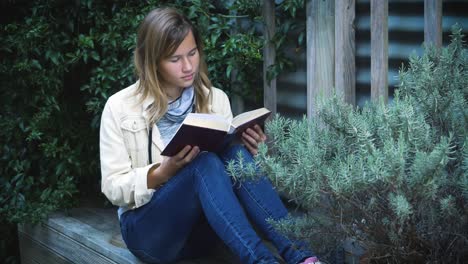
{"x": 61, "y": 60}
{"x": 391, "y": 178}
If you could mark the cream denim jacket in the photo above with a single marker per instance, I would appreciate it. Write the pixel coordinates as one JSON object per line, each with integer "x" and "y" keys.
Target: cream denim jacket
{"x": 124, "y": 145}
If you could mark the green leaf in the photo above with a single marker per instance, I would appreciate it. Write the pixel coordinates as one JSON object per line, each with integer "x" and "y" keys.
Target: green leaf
{"x": 228, "y": 70}
{"x": 36, "y": 64}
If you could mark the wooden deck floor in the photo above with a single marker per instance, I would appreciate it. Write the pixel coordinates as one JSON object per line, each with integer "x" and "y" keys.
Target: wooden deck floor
{"x": 85, "y": 235}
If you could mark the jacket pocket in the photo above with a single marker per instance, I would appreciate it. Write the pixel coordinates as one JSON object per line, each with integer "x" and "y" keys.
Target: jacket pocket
{"x": 135, "y": 137}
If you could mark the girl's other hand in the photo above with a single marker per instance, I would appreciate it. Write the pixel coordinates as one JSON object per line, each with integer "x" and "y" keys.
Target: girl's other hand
{"x": 170, "y": 166}
{"x": 252, "y": 137}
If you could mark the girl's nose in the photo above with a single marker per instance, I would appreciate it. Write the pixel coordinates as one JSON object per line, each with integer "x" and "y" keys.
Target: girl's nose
{"x": 186, "y": 65}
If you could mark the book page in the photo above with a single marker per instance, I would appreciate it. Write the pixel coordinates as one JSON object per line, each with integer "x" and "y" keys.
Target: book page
{"x": 207, "y": 120}
{"x": 247, "y": 116}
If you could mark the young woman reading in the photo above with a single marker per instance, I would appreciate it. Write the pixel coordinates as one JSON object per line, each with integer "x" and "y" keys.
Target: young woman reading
{"x": 173, "y": 208}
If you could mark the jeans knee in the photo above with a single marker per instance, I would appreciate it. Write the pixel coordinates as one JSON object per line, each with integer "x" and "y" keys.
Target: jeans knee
{"x": 208, "y": 157}
{"x": 210, "y": 161}
{"x": 238, "y": 148}
{"x": 235, "y": 150}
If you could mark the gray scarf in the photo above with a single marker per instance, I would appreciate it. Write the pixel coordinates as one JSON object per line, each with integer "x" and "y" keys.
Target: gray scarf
{"x": 176, "y": 113}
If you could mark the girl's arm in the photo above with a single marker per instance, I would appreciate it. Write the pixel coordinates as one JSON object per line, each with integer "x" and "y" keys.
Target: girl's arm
{"x": 122, "y": 184}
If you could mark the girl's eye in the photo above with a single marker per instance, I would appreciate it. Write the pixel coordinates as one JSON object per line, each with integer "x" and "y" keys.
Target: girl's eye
{"x": 174, "y": 60}
{"x": 193, "y": 53}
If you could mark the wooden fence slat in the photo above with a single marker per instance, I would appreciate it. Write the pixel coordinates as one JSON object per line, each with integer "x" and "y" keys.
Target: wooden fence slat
{"x": 433, "y": 22}
{"x": 269, "y": 53}
{"x": 320, "y": 51}
{"x": 345, "y": 60}
{"x": 237, "y": 101}
{"x": 379, "y": 50}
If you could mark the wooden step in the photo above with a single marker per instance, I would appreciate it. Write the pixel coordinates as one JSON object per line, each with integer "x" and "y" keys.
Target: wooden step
{"x": 85, "y": 235}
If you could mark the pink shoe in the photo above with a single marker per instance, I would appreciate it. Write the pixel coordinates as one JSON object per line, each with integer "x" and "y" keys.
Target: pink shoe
{"x": 310, "y": 260}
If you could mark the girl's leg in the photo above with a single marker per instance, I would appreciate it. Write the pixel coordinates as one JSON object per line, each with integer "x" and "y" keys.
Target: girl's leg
{"x": 202, "y": 241}
{"x": 261, "y": 202}
{"x": 159, "y": 230}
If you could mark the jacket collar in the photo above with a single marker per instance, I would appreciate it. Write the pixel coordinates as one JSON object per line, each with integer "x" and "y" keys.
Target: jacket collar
{"x": 149, "y": 100}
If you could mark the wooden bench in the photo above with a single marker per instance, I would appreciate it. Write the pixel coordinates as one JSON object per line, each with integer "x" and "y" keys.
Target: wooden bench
{"x": 86, "y": 235}
{"x": 91, "y": 234}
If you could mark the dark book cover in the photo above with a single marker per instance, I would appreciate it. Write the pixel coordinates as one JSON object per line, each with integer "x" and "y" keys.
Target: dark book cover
{"x": 206, "y": 139}
{"x": 207, "y": 131}
{"x": 259, "y": 120}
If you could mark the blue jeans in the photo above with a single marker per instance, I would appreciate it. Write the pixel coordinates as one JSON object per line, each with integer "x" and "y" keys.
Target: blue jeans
{"x": 188, "y": 215}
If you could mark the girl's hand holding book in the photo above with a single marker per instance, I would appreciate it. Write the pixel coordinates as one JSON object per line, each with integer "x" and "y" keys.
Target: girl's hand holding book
{"x": 170, "y": 166}
{"x": 252, "y": 137}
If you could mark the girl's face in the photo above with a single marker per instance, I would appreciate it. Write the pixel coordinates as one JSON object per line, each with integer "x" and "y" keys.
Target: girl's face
{"x": 179, "y": 70}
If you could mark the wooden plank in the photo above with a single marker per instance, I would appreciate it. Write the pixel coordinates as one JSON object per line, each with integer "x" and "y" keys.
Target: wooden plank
{"x": 101, "y": 219}
{"x": 35, "y": 252}
{"x": 91, "y": 238}
{"x": 269, "y": 54}
{"x": 87, "y": 235}
{"x": 345, "y": 60}
{"x": 433, "y": 22}
{"x": 65, "y": 246}
{"x": 68, "y": 236}
{"x": 379, "y": 50}
{"x": 106, "y": 221}
{"x": 320, "y": 51}
{"x": 28, "y": 261}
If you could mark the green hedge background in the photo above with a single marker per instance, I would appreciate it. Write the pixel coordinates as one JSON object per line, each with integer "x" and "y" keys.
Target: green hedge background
{"x": 61, "y": 60}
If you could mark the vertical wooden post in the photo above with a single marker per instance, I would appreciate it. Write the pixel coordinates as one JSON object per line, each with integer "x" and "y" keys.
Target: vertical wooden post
{"x": 320, "y": 51}
{"x": 269, "y": 53}
{"x": 379, "y": 50}
{"x": 237, "y": 101}
{"x": 433, "y": 22}
{"x": 345, "y": 60}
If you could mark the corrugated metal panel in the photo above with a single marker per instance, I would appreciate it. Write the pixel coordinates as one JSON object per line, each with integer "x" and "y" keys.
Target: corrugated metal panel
{"x": 406, "y": 35}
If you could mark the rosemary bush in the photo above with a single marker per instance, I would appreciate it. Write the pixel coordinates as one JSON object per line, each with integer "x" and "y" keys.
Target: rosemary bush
{"x": 393, "y": 178}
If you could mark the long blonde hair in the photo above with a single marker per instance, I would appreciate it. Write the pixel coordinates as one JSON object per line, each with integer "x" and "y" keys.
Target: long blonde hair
{"x": 159, "y": 36}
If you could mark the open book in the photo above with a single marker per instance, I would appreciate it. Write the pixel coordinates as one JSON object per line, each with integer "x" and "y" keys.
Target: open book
{"x": 211, "y": 132}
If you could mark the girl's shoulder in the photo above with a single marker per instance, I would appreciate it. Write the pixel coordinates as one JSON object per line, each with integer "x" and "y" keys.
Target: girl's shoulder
{"x": 126, "y": 94}
{"x": 219, "y": 103}
{"x": 218, "y": 94}
{"x": 124, "y": 100}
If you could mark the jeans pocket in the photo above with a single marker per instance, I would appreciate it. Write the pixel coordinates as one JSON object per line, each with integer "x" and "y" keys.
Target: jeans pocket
{"x": 144, "y": 256}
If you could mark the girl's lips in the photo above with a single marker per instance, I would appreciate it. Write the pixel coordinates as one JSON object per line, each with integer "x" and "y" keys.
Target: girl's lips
{"x": 188, "y": 77}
